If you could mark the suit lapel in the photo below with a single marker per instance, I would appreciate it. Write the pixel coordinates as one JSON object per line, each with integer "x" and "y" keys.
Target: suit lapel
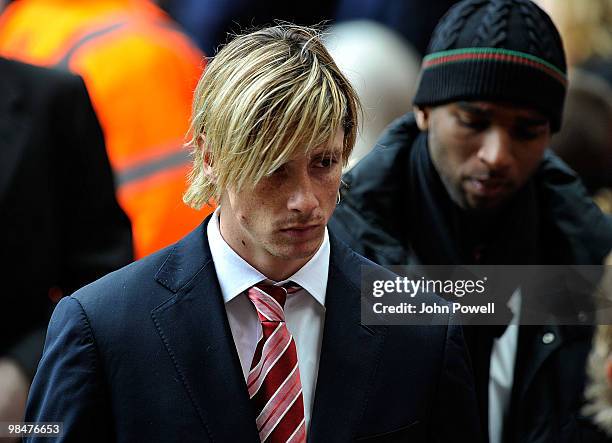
{"x": 194, "y": 328}
{"x": 529, "y": 363}
{"x": 12, "y": 122}
{"x": 349, "y": 355}
{"x": 539, "y": 343}
{"x": 533, "y": 353}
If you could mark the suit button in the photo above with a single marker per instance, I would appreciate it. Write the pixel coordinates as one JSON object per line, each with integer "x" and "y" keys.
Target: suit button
{"x": 548, "y": 338}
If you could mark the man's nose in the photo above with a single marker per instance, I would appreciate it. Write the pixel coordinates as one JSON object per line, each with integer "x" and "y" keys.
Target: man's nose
{"x": 302, "y": 197}
{"x": 496, "y": 150}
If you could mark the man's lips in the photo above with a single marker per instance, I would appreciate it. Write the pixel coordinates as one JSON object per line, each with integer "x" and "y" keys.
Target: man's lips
{"x": 486, "y": 187}
{"x": 300, "y": 227}
{"x": 301, "y": 231}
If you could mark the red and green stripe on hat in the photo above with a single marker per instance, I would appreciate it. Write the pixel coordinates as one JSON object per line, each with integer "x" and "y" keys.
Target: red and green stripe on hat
{"x": 442, "y": 58}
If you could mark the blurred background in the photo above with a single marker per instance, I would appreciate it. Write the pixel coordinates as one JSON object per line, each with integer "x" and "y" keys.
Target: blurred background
{"x": 140, "y": 61}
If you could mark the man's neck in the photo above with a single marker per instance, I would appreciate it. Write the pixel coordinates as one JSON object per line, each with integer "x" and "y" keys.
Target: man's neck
{"x": 275, "y": 268}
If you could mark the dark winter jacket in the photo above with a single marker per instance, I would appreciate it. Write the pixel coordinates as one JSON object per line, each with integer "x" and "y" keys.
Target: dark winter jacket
{"x": 395, "y": 210}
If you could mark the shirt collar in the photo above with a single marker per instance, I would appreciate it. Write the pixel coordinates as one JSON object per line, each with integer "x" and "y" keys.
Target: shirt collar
{"x": 235, "y": 275}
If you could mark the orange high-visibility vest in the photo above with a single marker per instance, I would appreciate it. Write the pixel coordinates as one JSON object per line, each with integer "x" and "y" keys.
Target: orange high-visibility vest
{"x": 141, "y": 72}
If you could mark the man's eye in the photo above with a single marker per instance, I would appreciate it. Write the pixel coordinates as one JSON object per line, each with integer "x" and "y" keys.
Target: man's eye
{"x": 326, "y": 162}
{"x": 477, "y": 125}
{"x": 527, "y": 134}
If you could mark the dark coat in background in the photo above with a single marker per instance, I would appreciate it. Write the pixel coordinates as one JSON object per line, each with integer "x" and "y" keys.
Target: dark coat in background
{"x": 395, "y": 210}
{"x": 60, "y": 225}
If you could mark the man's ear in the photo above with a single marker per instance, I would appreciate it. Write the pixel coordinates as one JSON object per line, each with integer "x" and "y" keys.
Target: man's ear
{"x": 422, "y": 118}
{"x": 207, "y": 164}
{"x": 609, "y": 370}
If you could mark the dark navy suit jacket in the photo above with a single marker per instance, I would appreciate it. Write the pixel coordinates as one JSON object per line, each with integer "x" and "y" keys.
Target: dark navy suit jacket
{"x": 146, "y": 354}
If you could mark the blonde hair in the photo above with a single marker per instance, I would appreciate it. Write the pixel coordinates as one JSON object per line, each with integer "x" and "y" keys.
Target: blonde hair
{"x": 265, "y": 96}
{"x": 585, "y": 26}
{"x": 598, "y": 392}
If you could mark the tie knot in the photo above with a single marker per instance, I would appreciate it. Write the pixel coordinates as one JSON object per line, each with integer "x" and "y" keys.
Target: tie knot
{"x": 270, "y": 300}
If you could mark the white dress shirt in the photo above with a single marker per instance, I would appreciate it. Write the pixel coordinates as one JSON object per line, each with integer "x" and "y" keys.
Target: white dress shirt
{"x": 501, "y": 372}
{"x": 304, "y": 310}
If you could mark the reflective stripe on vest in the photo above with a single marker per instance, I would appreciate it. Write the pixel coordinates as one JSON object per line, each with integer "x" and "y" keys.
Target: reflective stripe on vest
{"x": 65, "y": 60}
{"x": 147, "y": 168}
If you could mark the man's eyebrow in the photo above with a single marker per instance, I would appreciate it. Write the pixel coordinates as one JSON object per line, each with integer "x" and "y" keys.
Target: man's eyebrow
{"x": 334, "y": 150}
{"x": 475, "y": 109}
{"x": 531, "y": 121}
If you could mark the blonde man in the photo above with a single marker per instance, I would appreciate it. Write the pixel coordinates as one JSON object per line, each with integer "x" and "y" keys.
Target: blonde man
{"x": 249, "y": 328}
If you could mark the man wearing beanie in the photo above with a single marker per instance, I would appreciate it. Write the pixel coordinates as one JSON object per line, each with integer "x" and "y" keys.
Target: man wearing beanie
{"x": 467, "y": 179}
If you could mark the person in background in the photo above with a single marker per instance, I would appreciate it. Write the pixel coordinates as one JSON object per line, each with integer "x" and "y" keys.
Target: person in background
{"x": 140, "y": 70}
{"x": 61, "y": 226}
{"x": 598, "y": 391}
{"x": 585, "y": 140}
{"x": 249, "y": 329}
{"x": 468, "y": 180}
{"x": 381, "y": 67}
{"x": 586, "y": 29}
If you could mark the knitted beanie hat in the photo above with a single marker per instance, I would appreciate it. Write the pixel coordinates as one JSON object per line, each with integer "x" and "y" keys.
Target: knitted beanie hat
{"x": 496, "y": 50}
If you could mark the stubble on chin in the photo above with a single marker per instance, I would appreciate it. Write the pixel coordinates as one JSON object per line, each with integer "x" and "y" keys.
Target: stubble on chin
{"x": 285, "y": 250}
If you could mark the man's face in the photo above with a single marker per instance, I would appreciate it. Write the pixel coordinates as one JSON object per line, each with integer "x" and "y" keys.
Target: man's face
{"x": 484, "y": 152}
{"x": 279, "y": 225}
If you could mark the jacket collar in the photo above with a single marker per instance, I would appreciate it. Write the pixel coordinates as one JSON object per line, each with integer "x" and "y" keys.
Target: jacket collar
{"x": 194, "y": 328}
{"x": 350, "y": 353}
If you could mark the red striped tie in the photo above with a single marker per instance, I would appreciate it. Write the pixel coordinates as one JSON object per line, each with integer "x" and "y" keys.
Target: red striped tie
{"x": 274, "y": 381}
